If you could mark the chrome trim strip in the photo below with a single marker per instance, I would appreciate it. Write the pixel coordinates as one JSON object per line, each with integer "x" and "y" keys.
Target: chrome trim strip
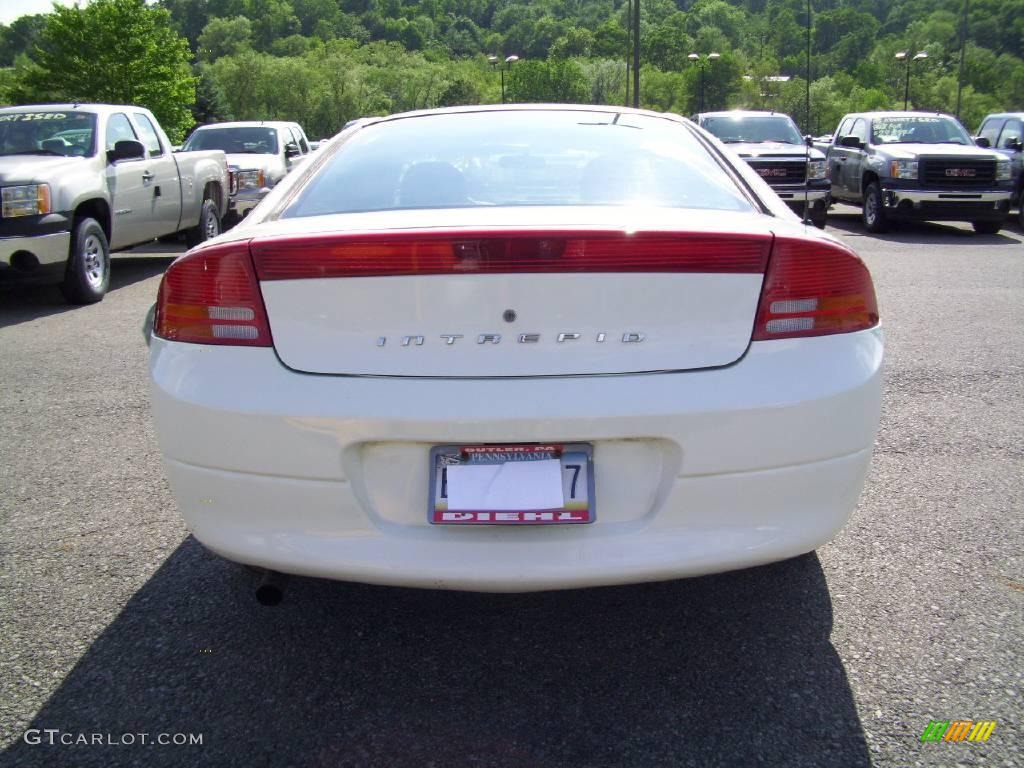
{"x": 948, "y": 197}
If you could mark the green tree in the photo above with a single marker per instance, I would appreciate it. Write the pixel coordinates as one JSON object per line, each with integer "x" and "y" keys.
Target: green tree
{"x": 611, "y": 40}
{"x": 667, "y": 45}
{"x": 7, "y": 84}
{"x": 115, "y": 51}
{"x": 459, "y": 91}
{"x": 271, "y": 19}
{"x": 555, "y": 81}
{"x": 224, "y": 37}
{"x": 209, "y": 106}
{"x": 575, "y": 42}
{"x": 19, "y": 37}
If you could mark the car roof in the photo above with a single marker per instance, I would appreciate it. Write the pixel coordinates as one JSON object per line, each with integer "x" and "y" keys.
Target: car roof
{"x": 900, "y": 113}
{"x": 469, "y": 109}
{"x": 741, "y": 113}
{"x": 250, "y": 124}
{"x": 81, "y": 106}
{"x": 1019, "y": 115}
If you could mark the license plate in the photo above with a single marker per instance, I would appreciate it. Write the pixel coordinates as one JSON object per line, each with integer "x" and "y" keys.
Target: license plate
{"x": 512, "y": 484}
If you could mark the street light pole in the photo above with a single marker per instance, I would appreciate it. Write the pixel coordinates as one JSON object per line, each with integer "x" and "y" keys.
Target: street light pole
{"x": 905, "y": 56}
{"x": 703, "y": 62}
{"x": 496, "y": 62}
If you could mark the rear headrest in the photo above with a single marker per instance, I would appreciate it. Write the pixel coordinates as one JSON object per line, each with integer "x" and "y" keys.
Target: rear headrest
{"x": 432, "y": 185}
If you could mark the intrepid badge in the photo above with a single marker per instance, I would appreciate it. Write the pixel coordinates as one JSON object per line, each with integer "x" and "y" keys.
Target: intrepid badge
{"x": 449, "y": 339}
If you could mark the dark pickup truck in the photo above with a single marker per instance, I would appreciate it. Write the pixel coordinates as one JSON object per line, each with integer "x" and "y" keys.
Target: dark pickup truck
{"x": 1005, "y": 134}
{"x": 918, "y": 166}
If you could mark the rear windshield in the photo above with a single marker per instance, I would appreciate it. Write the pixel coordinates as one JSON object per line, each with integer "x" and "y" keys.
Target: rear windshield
{"x": 918, "y": 130}
{"x": 51, "y": 132}
{"x": 466, "y": 160}
{"x": 777, "y": 129}
{"x": 235, "y": 141}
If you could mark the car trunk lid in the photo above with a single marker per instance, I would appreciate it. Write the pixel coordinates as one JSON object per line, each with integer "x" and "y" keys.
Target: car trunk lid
{"x": 512, "y": 291}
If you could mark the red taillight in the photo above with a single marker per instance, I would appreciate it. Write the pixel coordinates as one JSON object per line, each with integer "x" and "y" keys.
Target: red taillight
{"x": 210, "y": 296}
{"x": 380, "y": 254}
{"x": 814, "y": 288}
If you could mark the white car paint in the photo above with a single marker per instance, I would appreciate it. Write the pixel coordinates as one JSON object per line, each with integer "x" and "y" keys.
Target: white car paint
{"x": 697, "y": 472}
{"x": 758, "y": 458}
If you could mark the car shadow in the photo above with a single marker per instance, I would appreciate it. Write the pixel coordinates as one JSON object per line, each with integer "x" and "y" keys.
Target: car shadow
{"x": 925, "y": 232}
{"x": 20, "y": 303}
{"x": 735, "y": 669}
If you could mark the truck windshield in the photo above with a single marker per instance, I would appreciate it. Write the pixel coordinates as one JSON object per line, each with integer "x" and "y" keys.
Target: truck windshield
{"x": 70, "y": 134}
{"x": 918, "y": 130}
{"x": 255, "y": 140}
{"x": 753, "y": 130}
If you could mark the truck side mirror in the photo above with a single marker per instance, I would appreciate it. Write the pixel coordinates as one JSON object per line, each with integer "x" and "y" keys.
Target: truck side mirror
{"x": 1012, "y": 143}
{"x": 126, "y": 149}
{"x": 982, "y": 141}
{"x": 851, "y": 141}
{"x": 291, "y": 149}
{"x": 809, "y": 140}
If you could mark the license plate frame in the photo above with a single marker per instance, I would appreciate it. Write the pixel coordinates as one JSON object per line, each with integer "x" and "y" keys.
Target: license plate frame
{"x": 576, "y": 459}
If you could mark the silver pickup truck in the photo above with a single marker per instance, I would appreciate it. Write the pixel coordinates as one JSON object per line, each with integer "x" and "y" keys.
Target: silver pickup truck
{"x": 80, "y": 180}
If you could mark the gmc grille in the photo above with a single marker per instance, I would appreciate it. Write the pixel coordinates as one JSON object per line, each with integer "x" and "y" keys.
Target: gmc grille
{"x": 776, "y": 173}
{"x": 963, "y": 173}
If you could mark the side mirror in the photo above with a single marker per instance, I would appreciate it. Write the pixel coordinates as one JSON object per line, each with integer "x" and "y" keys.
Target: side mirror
{"x": 1011, "y": 143}
{"x": 851, "y": 141}
{"x": 982, "y": 141}
{"x": 126, "y": 149}
{"x": 291, "y": 149}
{"x": 809, "y": 140}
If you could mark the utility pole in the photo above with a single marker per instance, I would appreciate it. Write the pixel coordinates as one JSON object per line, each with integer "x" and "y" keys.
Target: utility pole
{"x": 807, "y": 123}
{"x": 636, "y": 53}
{"x": 963, "y": 59}
{"x": 629, "y": 44}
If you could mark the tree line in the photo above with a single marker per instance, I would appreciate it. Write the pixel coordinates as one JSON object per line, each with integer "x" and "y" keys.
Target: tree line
{"x": 324, "y": 62}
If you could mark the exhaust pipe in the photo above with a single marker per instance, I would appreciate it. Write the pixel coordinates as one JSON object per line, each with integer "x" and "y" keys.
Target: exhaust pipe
{"x": 270, "y": 590}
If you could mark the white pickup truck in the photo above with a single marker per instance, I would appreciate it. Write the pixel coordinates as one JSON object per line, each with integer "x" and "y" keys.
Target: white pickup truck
{"x": 80, "y": 180}
{"x": 260, "y": 154}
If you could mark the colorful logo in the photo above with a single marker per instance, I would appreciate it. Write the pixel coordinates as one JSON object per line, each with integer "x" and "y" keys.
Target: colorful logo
{"x": 958, "y": 730}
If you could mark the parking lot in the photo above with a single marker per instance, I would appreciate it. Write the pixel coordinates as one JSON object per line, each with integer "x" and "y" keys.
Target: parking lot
{"x": 116, "y": 622}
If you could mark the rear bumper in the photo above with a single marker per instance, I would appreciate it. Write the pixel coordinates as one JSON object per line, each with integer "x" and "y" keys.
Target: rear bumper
{"x": 696, "y": 472}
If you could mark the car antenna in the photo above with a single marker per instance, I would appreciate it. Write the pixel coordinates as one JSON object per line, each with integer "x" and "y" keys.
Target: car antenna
{"x": 807, "y": 179}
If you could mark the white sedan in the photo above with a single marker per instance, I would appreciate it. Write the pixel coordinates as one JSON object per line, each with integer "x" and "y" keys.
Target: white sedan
{"x": 517, "y": 348}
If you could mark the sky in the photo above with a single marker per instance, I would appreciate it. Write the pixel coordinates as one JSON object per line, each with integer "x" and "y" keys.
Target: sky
{"x": 12, "y": 9}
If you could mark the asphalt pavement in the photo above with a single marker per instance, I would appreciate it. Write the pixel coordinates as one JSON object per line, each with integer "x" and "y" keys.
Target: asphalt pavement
{"x": 115, "y": 623}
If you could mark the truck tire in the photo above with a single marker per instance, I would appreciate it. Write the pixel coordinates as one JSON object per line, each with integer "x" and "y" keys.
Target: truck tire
{"x": 819, "y": 214}
{"x": 872, "y": 212}
{"x": 209, "y": 225}
{"x": 987, "y": 227}
{"x": 87, "y": 275}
